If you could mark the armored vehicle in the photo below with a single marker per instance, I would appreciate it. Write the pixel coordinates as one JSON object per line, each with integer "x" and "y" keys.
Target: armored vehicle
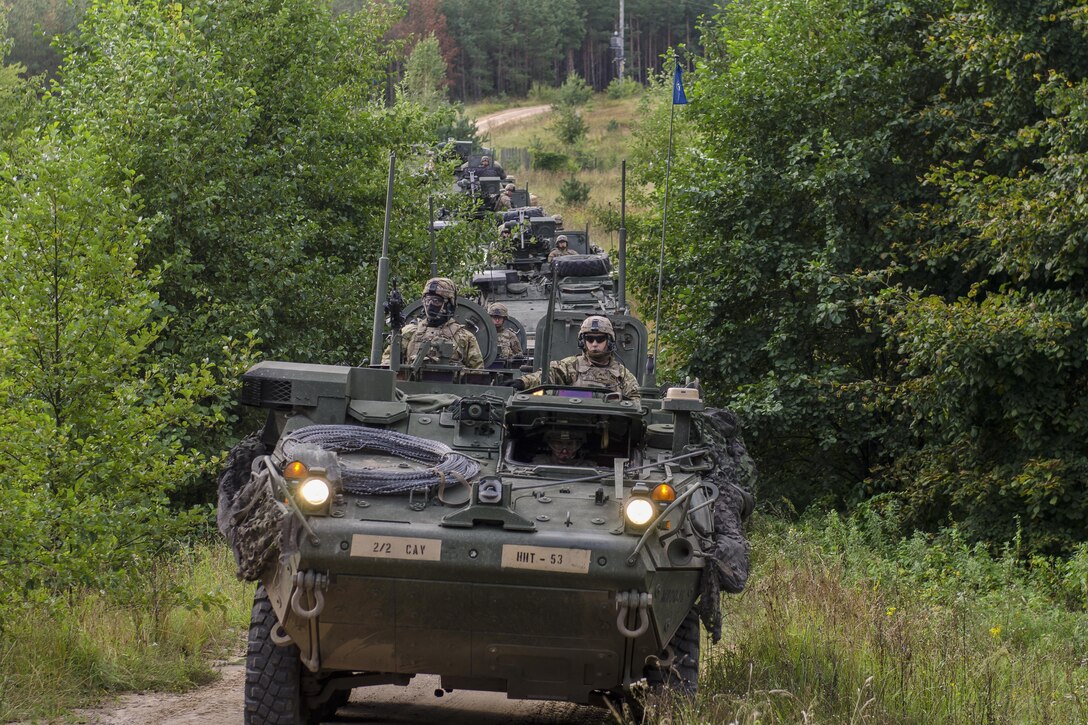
{"x": 525, "y": 283}
{"x": 557, "y": 542}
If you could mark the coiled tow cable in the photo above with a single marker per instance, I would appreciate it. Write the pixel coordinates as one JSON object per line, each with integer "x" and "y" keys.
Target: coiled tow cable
{"x": 446, "y": 467}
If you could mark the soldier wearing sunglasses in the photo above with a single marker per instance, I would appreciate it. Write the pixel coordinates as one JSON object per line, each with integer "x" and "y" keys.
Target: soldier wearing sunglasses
{"x": 596, "y": 366}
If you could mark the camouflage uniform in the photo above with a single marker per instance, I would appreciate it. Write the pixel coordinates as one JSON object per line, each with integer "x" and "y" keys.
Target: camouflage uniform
{"x": 560, "y": 253}
{"x": 579, "y": 370}
{"x": 418, "y": 334}
{"x": 508, "y": 343}
{"x": 466, "y": 350}
{"x": 506, "y": 340}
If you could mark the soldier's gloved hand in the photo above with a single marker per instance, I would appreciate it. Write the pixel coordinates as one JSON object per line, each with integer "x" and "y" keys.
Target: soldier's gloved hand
{"x": 516, "y": 384}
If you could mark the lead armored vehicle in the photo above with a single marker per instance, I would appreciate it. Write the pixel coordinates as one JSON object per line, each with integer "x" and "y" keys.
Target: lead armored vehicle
{"x": 414, "y": 520}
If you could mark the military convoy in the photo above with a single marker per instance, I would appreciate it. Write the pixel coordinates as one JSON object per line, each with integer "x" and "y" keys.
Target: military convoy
{"x": 410, "y": 518}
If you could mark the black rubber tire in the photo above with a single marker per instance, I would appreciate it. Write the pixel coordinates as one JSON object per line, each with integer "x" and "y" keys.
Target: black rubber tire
{"x": 581, "y": 265}
{"x": 683, "y": 676}
{"x": 273, "y": 692}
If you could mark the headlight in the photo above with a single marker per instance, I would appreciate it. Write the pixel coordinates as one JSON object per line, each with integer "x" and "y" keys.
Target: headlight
{"x": 639, "y": 511}
{"x": 314, "y": 491}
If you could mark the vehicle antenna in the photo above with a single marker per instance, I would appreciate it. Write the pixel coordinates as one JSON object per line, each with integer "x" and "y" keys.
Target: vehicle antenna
{"x": 621, "y": 282}
{"x": 383, "y": 269}
{"x": 545, "y": 348}
{"x": 661, "y": 256}
{"x": 434, "y": 260}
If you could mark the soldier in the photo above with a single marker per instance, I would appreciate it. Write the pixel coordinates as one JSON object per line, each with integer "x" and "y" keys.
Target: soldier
{"x": 438, "y": 325}
{"x": 505, "y": 200}
{"x": 486, "y": 168}
{"x": 566, "y": 449}
{"x": 558, "y": 221}
{"x": 595, "y": 366}
{"x": 508, "y": 343}
{"x": 561, "y": 249}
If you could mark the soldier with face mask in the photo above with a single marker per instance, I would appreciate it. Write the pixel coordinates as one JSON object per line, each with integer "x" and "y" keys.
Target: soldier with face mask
{"x": 595, "y": 366}
{"x": 438, "y": 325}
{"x": 508, "y": 343}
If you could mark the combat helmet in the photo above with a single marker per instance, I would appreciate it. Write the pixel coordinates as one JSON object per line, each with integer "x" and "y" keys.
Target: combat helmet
{"x": 441, "y": 286}
{"x": 444, "y": 288}
{"x": 498, "y": 309}
{"x": 595, "y": 325}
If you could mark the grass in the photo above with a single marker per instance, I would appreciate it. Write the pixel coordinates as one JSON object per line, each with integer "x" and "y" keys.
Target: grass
{"x": 609, "y": 124}
{"x": 76, "y": 650}
{"x": 840, "y": 623}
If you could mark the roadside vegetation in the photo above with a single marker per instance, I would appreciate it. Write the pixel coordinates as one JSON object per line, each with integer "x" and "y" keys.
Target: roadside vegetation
{"x": 842, "y": 621}
{"x": 178, "y": 616}
{"x": 876, "y": 257}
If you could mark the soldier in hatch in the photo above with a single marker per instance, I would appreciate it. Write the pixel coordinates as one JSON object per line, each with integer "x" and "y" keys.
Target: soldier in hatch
{"x": 438, "y": 325}
{"x": 565, "y": 449}
{"x": 487, "y": 168}
{"x": 595, "y": 366}
{"x": 507, "y": 340}
{"x": 505, "y": 200}
{"x": 561, "y": 249}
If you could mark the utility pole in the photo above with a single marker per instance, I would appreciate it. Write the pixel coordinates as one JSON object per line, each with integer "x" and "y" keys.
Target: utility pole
{"x": 616, "y": 43}
{"x": 622, "y": 45}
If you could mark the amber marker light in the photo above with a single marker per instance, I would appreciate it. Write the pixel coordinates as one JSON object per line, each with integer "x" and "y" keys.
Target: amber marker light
{"x": 295, "y": 470}
{"x": 663, "y": 492}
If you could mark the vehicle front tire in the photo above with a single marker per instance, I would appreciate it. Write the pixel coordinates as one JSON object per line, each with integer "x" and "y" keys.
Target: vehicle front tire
{"x": 682, "y": 676}
{"x": 274, "y": 675}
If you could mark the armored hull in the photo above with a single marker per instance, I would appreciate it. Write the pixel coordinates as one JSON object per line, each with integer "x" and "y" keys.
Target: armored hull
{"x": 514, "y": 575}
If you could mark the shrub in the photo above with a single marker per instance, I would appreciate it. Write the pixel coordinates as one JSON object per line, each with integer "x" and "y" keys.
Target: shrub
{"x": 625, "y": 88}
{"x": 574, "y": 192}
{"x": 568, "y": 125}
{"x": 544, "y": 160}
{"x": 573, "y": 93}
{"x": 541, "y": 93}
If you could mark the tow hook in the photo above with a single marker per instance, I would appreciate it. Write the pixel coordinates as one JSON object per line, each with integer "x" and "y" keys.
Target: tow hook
{"x": 314, "y": 585}
{"x": 641, "y": 601}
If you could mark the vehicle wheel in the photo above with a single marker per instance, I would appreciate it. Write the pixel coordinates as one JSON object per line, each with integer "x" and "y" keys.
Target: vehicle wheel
{"x": 274, "y": 692}
{"x": 581, "y": 265}
{"x": 683, "y": 674}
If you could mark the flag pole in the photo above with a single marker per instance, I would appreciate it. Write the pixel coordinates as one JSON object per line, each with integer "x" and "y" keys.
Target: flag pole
{"x": 678, "y": 98}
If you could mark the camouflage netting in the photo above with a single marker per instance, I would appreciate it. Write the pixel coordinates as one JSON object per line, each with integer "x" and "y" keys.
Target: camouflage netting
{"x": 734, "y": 474}
{"x": 249, "y": 516}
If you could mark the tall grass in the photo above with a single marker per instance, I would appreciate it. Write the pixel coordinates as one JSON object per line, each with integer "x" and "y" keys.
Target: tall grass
{"x": 72, "y": 650}
{"x": 844, "y": 622}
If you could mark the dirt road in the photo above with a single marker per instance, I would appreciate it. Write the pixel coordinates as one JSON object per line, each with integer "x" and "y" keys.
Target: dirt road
{"x": 493, "y": 120}
{"x": 221, "y": 704}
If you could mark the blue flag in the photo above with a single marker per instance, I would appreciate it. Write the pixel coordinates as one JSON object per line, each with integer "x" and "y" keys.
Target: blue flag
{"x": 679, "y": 98}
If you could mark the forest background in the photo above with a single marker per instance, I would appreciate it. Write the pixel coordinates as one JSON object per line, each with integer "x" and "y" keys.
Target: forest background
{"x": 886, "y": 203}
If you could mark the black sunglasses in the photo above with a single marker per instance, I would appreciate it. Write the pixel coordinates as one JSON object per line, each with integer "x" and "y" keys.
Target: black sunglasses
{"x": 595, "y": 338}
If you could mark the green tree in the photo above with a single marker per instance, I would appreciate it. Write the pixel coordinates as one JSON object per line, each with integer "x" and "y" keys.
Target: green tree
{"x": 883, "y": 205}
{"x": 92, "y": 435}
{"x": 425, "y": 74}
{"x": 259, "y": 139}
{"x": 18, "y": 97}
